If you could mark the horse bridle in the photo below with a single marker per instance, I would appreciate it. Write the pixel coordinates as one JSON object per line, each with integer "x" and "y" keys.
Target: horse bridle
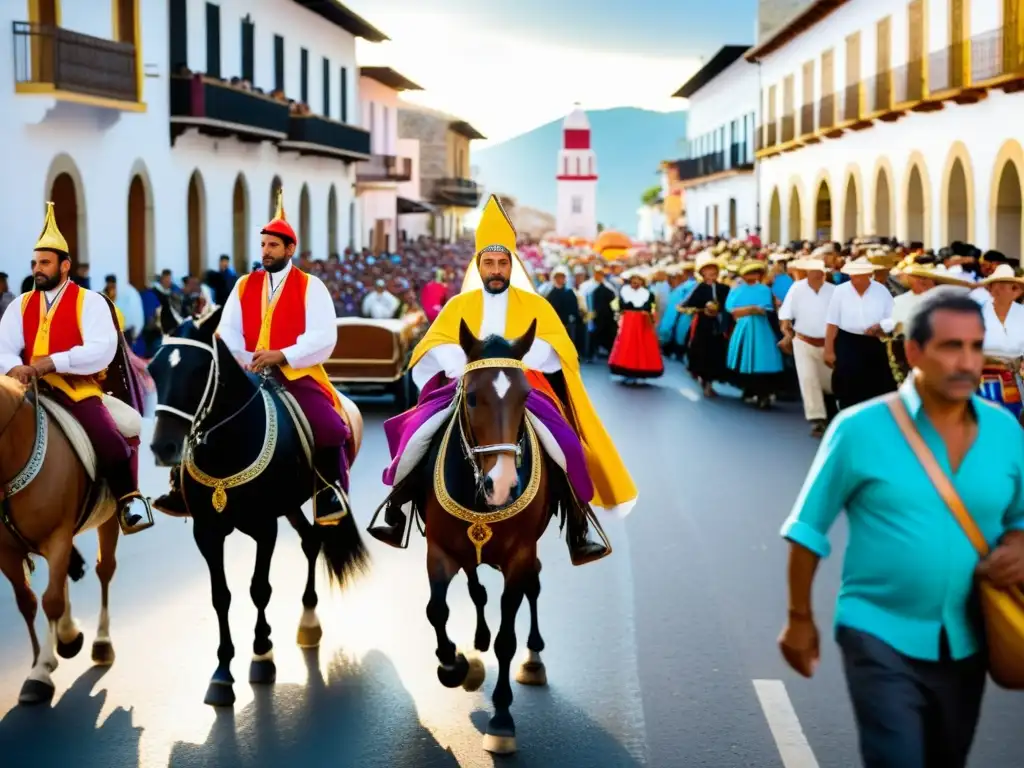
{"x": 473, "y": 451}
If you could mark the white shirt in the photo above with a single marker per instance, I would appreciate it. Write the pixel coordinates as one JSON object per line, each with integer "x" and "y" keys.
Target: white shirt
{"x": 635, "y": 297}
{"x": 807, "y": 308}
{"x": 981, "y": 295}
{"x": 380, "y": 306}
{"x": 313, "y": 347}
{"x": 902, "y": 306}
{"x": 854, "y": 313}
{"x": 99, "y": 337}
{"x": 1004, "y": 338}
{"x": 450, "y": 358}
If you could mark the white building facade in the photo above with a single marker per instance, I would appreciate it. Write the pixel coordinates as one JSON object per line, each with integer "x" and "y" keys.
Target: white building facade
{"x": 576, "y": 178}
{"x": 896, "y": 119}
{"x": 378, "y": 179}
{"x": 413, "y": 211}
{"x": 718, "y": 171}
{"x": 162, "y": 154}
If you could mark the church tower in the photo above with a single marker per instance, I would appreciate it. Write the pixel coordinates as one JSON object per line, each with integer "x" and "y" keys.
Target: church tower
{"x": 577, "y": 179}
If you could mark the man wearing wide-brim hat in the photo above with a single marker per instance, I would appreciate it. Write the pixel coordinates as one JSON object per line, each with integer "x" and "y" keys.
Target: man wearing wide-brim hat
{"x": 919, "y": 278}
{"x": 1004, "y": 338}
{"x": 708, "y": 343}
{"x": 988, "y": 263}
{"x": 803, "y": 319}
{"x": 853, "y": 336}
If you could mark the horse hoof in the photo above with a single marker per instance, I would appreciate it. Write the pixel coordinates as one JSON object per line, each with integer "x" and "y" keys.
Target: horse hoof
{"x": 263, "y": 672}
{"x": 475, "y": 675}
{"x": 220, "y": 695}
{"x": 102, "y": 653}
{"x": 482, "y": 641}
{"x": 309, "y": 637}
{"x": 532, "y": 673}
{"x": 502, "y": 743}
{"x": 35, "y": 692}
{"x": 72, "y": 649}
{"x": 455, "y": 675}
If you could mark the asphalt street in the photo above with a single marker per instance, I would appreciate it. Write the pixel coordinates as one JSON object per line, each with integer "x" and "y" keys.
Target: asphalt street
{"x": 661, "y": 655}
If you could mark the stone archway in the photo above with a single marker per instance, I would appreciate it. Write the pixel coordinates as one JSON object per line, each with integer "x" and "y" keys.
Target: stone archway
{"x": 851, "y": 210}
{"x": 823, "y": 211}
{"x": 775, "y": 218}
{"x": 957, "y": 209}
{"x": 240, "y": 225}
{"x": 332, "y": 222}
{"x": 916, "y": 219}
{"x": 196, "y": 225}
{"x": 795, "y": 228}
{"x": 141, "y": 240}
{"x": 1007, "y": 233}
{"x": 65, "y": 190}
{"x": 884, "y": 226}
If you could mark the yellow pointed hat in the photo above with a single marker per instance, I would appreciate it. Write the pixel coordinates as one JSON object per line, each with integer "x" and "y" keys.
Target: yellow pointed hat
{"x": 51, "y": 239}
{"x": 495, "y": 230}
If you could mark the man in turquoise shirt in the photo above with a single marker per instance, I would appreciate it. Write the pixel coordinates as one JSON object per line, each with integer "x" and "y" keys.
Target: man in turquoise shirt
{"x": 905, "y": 620}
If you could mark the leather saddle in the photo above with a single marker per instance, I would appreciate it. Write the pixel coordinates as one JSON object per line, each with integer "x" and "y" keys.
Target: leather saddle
{"x": 127, "y": 419}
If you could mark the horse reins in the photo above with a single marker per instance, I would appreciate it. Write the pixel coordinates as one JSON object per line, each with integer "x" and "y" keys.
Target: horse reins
{"x": 473, "y": 451}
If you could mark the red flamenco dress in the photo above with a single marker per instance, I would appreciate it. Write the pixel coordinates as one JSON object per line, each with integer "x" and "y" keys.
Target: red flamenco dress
{"x": 636, "y": 353}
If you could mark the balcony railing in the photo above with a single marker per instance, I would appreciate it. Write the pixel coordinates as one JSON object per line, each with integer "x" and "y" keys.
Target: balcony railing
{"x": 740, "y": 156}
{"x": 788, "y": 128}
{"x": 878, "y": 92}
{"x": 323, "y": 137}
{"x": 773, "y": 138}
{"x": 909, "y": 82}
{"x": 70, "y": 61}
{"x": 806, "y": 119}
{"x": 218, "y": 109}
{"x": 996, "y": 54}
{"x": 462, "y": 193}
{"x": 827, "y": 112}
{"x": 385, "y": 168}
{"x": 851, "y": 102}
{"x": 698, "y": 167}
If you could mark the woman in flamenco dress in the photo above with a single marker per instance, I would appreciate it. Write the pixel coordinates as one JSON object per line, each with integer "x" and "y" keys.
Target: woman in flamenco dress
{"x": 754, "y": 360}
{"x": 636, "y": 353}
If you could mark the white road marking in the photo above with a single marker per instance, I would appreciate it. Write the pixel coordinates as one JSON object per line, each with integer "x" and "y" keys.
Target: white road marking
{"x": 501, "y": 384}
{"x": 689, "y": 394}
{"x": 784, "y": 724}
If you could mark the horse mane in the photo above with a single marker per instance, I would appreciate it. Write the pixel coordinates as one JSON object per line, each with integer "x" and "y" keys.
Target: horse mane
{"x": 495, "y": 346}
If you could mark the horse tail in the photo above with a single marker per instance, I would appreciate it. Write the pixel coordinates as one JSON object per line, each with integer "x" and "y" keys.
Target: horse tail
{"x": 343, "y": 551}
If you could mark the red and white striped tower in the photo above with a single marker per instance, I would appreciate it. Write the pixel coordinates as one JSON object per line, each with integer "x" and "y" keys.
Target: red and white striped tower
{"x": 576, "y": 177}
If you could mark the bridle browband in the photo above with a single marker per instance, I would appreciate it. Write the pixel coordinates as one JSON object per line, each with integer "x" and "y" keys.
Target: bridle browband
{"x": 481, "y": 450}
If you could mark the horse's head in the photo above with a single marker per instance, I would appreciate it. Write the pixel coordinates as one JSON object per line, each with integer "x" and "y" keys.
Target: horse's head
{"x": 184, "y": 371}
{"x": 494, "y": 390}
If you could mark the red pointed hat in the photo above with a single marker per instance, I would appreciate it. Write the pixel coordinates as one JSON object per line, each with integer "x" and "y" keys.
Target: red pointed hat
{"x": 278, "y": 226}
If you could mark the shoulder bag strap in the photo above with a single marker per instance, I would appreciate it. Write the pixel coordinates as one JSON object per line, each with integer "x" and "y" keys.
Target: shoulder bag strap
{"x": 936, "y": 475}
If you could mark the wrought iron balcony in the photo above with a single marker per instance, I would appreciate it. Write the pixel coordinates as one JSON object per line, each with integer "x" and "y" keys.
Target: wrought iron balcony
{"x": 788, "y": 128}
{"x": 740, "y": 156}
{"x": 461, "y": 193}
{"x": 698, "y": 167}
{"x": 827, "y": 112}
{"x": 851, "y": 102}
{"x": 50, "y": 58}
{"x": 323, "y": 137}
{"x": 909, "y": 82}
{"x": 218, "y": 109}
{"x": 384, "y": 168}
{"x": 997, "y": 55}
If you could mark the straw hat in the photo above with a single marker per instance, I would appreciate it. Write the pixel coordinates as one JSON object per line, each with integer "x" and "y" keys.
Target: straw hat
{"x": 808, "y": 265}
{"x": 938, "y": 274}
{"x": 859, "y": 266}
{"x": 752, "y": 266}
{"x": 560, "y": 270}
{"x": 1003, "y": 274}
{"x": 707, "y": 259}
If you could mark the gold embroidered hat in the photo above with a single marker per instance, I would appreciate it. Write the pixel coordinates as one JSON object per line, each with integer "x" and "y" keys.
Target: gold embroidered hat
{"x": 50, "y": 239}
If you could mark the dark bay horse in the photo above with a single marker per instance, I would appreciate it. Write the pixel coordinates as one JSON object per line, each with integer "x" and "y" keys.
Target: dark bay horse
{"x": 491, "y": 494}
{"x": 47, "y": 498}
{"x": 243, "y": 465}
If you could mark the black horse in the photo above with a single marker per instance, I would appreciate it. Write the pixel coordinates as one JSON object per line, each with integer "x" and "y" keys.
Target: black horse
{"x": 242, "y": 465}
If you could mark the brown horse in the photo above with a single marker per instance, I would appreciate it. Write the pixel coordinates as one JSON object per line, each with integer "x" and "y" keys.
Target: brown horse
{"x": 474, "y": 516}
{"x": 42, "y": 517}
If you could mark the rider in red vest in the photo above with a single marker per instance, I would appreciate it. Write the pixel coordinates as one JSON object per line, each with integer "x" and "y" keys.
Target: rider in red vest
{"x": 65, "y": 336}
{"x": 282, "y": 319}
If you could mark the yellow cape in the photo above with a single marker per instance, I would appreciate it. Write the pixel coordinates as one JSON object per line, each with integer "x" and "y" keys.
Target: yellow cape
{"x": 613, "y": 485}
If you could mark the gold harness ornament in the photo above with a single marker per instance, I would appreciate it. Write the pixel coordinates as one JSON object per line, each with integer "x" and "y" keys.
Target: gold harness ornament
{"x": 221, "y": 485}
{"x": 494, "y": 362}
{"x": 479, "y": 530}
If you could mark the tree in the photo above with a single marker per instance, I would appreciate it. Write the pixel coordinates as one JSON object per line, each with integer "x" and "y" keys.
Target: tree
{"x": 651, "y": 195}
{"x": 600, "y": 227}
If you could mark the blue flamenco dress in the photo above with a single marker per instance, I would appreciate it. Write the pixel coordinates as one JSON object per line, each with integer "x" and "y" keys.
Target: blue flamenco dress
{"x": 674, "y": 327}
{"x": 754, "y": 360}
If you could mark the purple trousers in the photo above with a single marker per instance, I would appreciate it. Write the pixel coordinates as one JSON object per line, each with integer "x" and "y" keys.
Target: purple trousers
{"x": 329, "y": 428}
{"x": 112, "y": 448}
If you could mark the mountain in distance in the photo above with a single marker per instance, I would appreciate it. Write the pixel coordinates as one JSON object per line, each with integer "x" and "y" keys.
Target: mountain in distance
{"x": 630, "y": 144}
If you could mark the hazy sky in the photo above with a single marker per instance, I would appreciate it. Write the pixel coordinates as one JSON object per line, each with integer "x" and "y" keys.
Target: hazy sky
{"x": 507, "y": 66}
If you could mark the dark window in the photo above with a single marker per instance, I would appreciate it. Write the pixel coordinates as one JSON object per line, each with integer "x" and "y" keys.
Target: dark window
{"x": 343, "y": 78}
{"x": 248, "y": 64}
{"x": 327, "y": 87}
{"x": 304, "y": 76}
{"x": 178, "y": 22}
{"x": 212, "y": 40}
{"x": 278, "y": 63}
